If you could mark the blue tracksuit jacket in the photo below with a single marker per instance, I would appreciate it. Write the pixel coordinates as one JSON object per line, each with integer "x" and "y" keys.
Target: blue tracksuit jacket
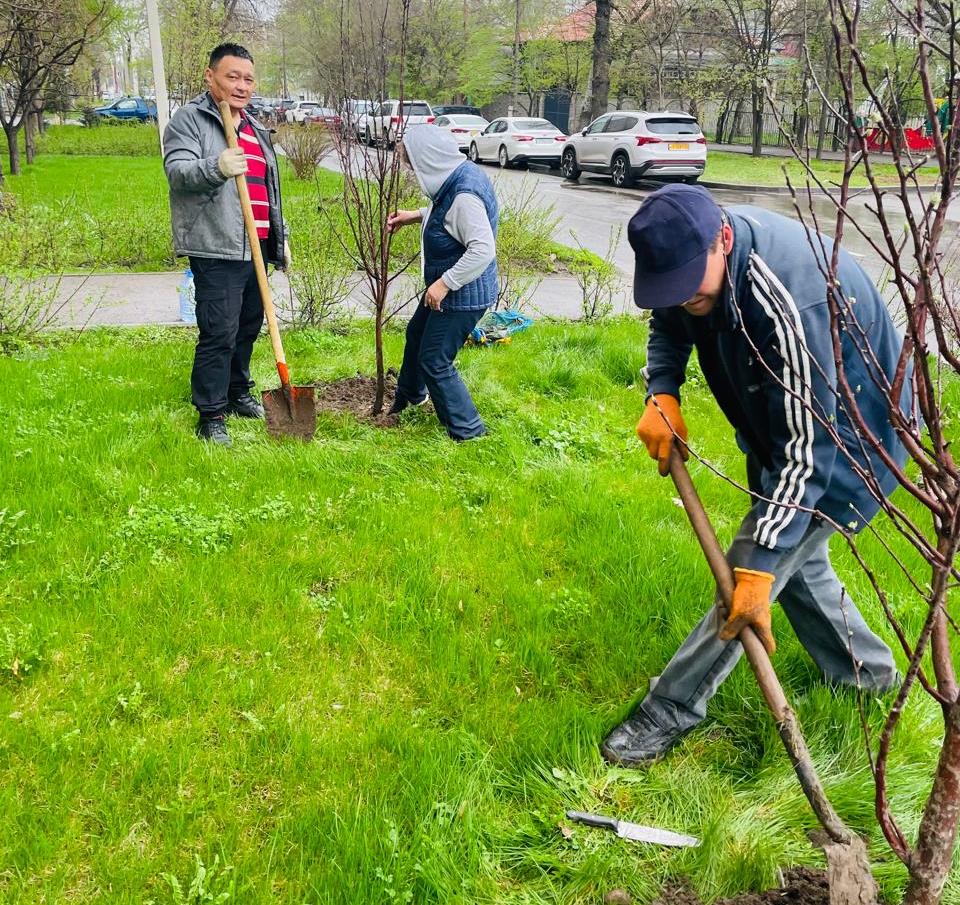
{"x": 767, "y": 354}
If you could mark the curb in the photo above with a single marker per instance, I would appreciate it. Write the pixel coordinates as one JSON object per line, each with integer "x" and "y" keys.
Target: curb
{"x": 782, "y": 191}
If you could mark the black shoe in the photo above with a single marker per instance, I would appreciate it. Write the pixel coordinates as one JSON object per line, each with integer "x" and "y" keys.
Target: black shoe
{"x": 214, "y": 430}
{"x": 638, "y": 740}
{"x": 245, "y": 407}
{"x": 400, "y": 405}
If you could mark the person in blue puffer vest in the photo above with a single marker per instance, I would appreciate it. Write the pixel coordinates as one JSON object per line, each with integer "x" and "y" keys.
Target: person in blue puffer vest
{"x": 745, "y": 288}
{"x": 459, "y": 258}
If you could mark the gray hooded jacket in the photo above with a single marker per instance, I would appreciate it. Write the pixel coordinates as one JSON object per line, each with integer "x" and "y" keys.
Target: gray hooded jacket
{"x": 204, "y": 204}
{"x": 434, "y": 155}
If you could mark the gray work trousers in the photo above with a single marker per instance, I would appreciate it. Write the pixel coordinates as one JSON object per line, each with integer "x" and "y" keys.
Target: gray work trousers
{"x": 825, "y": 619}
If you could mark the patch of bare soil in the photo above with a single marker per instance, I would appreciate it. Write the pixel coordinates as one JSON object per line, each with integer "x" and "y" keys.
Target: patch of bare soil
{"x": 803, "y": 887}
{"x": 355, "y": 396}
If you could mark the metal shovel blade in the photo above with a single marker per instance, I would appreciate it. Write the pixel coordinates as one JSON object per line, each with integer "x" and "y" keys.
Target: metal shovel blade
{"x": 291, "y": 412}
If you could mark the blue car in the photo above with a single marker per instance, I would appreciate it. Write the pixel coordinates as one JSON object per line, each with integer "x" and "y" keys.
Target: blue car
{"x": 129, "y": 108}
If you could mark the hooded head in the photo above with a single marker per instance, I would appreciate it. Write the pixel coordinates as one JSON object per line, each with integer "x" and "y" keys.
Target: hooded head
{"x": 434, "y": 155}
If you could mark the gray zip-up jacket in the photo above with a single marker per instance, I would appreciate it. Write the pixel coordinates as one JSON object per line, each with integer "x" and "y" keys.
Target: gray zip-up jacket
{"x": 204, "y": 204}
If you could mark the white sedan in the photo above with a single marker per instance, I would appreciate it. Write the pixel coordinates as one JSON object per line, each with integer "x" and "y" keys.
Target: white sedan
{"x": 514, "y": 140}
{"x": 462, "y": 126}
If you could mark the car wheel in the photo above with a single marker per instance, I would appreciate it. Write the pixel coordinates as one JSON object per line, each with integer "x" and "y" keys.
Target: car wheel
{"x": 568, "y": 165}
{"x": 503, "y": 158}
{"x": 473, "y": 153}
{"x": 620, "y": 171}
{"x": 368, "y": 138}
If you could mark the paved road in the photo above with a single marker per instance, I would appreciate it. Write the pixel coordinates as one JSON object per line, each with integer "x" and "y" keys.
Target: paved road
{"x": 590, "y": 209}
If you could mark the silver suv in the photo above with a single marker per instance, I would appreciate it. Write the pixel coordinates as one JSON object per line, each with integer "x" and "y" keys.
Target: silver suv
{"x": 630, "y": 144}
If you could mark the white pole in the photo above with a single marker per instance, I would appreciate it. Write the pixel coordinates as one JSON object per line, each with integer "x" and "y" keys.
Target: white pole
{"x": 159, "y": 73}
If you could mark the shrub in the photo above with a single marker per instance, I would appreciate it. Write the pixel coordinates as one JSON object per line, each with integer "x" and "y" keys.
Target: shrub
{"x": 305, "y": 147}
{"x": 109, "y": 138}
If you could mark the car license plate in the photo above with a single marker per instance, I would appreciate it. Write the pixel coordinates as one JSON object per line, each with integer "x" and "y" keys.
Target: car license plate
{"x": 544, "y": 141}
{"x": 679, "y": 146}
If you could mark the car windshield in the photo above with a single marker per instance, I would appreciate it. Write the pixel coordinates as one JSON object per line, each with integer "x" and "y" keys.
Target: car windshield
{"x": 534, "y": 125}
{"x": 309, "y": 104}
{"x": 468, "y": 120}
{"x": 673, "y": 126}
{"x": 361, "y": 106}
{"x": 325, "y": 111}
{"x": 416, "y": 110}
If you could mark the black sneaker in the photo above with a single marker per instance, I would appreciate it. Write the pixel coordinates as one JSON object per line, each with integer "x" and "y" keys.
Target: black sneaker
{"x": 400, "y": 405}
{"x": 638, "y": 741}
{"x": 214, "y": 430}
{"x": 245, "y": 407}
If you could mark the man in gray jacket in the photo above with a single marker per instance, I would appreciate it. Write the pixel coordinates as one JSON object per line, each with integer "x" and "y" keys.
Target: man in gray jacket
{"x": 208, "y": 228}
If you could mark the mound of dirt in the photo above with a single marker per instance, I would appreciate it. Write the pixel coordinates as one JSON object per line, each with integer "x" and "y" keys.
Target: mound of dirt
{"x": 803, "y": 887}
{"x": 355, "y": 396}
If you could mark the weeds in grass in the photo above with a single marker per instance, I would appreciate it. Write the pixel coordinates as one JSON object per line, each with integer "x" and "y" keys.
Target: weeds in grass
{"x": 13, "y": 532}
{"x": 211, "y": 885}
{"x": 21, "y": 649}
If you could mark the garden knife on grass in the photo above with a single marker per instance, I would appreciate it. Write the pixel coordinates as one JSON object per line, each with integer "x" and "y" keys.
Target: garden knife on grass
{"x": 634, "y": 831}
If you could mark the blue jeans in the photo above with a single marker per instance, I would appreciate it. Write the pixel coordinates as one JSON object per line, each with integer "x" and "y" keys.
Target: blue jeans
{"x": 433, "y": 340}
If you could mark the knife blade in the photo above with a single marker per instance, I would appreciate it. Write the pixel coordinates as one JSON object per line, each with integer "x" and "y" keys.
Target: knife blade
{"x": 634, "y": 831}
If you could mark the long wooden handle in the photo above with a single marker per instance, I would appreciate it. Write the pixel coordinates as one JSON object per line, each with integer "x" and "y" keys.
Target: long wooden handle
{"x": 767, "y": 679}
{"x": 248, "y": 219}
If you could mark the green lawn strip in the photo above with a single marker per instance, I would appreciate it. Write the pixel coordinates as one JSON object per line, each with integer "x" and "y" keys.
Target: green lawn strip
{"x": 111, "y": 213}
{"x": 743, "y": 169}
{"x": 376, "y": 667}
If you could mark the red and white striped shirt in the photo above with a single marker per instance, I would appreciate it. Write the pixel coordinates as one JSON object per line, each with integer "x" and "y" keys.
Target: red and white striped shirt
{"x": 256, "y": 177}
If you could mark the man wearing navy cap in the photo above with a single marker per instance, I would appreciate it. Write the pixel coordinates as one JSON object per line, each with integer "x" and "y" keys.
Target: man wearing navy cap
{"x": 746, "y": 289}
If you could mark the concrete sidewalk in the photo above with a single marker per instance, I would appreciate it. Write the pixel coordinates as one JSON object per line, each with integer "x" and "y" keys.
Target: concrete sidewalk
{"x": 139, "y": 299}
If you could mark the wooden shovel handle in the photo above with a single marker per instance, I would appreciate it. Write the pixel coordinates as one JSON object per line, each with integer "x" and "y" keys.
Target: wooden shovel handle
{"x": 767, "y": 679}
{"x": 230, "y": 133}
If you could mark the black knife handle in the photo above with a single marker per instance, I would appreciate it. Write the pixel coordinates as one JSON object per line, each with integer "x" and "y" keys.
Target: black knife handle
{"x": 607, "y": 823}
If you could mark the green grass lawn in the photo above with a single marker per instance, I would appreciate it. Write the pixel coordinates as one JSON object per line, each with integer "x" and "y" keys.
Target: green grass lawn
{"x": 110, "y": 212}
{"x": 376, "y": 668}
{"x": 742, "y": 169}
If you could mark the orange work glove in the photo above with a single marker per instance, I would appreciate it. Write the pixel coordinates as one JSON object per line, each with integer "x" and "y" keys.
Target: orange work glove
{"x": 657, "y": 435}
{"x": 751, "y": 606}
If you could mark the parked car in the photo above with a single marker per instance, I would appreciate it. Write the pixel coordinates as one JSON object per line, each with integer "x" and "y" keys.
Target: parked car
{"x": 630, "y": 144}
{"x": 353, "y": 115}
{"x": 281, "y": 108}
{"x": 514, "y": 140}
{"x": 447, "y": 109}
{"x": 129, "y": 108}
{"x": 256, "y": 106}
{"x": 324, "y": 116}
{"x": 387, "y": 121}
{"x": 301, "y": 111}
{"x": 462, "y": 127}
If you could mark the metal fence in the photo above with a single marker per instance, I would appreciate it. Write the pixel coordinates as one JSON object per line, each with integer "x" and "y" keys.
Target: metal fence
{"x": 733, "y": 125}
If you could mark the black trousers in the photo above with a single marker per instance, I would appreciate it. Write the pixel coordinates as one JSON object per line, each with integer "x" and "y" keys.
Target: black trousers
{"x": 230, "y": 316}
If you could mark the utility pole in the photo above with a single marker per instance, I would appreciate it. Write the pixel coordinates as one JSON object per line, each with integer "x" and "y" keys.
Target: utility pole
{"x": 516, "y": 59}
{"x": 283, "y": 63}
{"x": 159, "y": 73}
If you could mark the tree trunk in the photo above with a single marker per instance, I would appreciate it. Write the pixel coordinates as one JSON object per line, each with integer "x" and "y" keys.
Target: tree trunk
{"x": 721, "y": 122}
{"x": 29, "y": 135}
{"x": 932, "y": 859}
{"x": 378, "y": 344}
{"x": 600, "y": 85}
{"x": 756, "y": 100}
{"x": 13, "y": 148}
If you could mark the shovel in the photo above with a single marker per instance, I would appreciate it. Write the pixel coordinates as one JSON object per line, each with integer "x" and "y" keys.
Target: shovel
{"x": 290, "y": 411}
{"x": 848, "y": 869}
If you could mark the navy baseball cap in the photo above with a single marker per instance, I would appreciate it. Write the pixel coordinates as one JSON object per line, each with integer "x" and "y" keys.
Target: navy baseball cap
{"x": 671, "y": 236}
